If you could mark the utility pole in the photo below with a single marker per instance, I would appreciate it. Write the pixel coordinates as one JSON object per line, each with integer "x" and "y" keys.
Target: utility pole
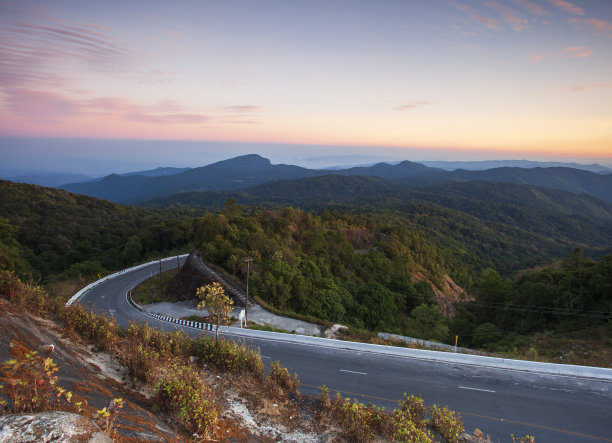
{"x": 160, "y": 280}
{"x": 246, "y": 304}
{"x": 177, "y": 262}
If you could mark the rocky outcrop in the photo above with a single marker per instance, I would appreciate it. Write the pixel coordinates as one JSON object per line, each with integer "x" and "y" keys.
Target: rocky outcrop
{"x": 50, "y": 427}
{"x": 195, "y": 273}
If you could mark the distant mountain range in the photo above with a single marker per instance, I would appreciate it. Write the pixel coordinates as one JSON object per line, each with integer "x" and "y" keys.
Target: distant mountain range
{"x": 490, "y": 164}
{"x": 251, "y": 170}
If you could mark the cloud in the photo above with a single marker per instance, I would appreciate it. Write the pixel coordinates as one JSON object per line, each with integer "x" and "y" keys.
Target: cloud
{"x": 54, "y": 107}
{"x": 536, "y": 58}
{"x": 532, "y": 7}
{"x": 596, "y": 24}
{"x": 487, "y": 22}
{"x": 510, "y": 16}
{"x": 584, "y": 88}
{"x": 242, "y": 108}
{"x": 577, "y": 52}
{"x": 567, "y": 7}
{"x": 412, "y": 105}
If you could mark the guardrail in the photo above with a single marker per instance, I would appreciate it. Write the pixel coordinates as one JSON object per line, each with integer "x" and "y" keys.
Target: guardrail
{"x": 602, "y": 374}
{"x": 79, "y": 294}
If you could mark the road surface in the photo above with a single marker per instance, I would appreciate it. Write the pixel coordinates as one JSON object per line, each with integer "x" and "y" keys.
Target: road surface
{"x": 500, "y": 402}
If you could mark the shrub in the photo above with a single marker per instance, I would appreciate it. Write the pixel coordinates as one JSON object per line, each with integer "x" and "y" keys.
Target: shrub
{"x": 98, "y": 329}
{"x": 412, "y": 409}
{"x": 175, "y": 343}
{"x": 525, "y": 439}
{"x": 227, "y": 355}
{"x": 354, "y": 417}
{"x": 280, "y": 376}
{"x": 141, "y": 361}
{"x": 33, "y": 298}
{"x": 448, "y": 423}
{"x": 407, "y": 431}
{"x": 180, "y": 392}
{"x": 30, "y": 383}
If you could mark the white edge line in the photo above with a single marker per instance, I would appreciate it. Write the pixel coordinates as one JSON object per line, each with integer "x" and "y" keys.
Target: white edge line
{"x": 476, "y": 389}
{"x": 353, "y": 372}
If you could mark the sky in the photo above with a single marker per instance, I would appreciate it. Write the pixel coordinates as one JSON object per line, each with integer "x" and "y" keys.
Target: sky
{"x": 92, "y": 86}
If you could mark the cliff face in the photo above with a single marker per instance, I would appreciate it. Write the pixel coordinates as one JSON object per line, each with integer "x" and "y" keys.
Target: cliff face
{"x": 195, "y": 273}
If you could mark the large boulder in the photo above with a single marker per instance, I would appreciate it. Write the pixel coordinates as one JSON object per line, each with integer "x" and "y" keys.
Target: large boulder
{"x": 50, "y": 427}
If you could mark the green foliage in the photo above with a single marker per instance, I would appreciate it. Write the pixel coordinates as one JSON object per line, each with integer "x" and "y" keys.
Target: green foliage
{"x": 11, "y": 258}
{"x": 446, "y": 422}
{"x": 228, "y": 356}
{"x": 98, "y": 329}
{"x": 216, "y": 302}
{"x": 309, "y": 264}
{"x": 182, "y": 393}
{"x": 576, "y": 296}
{"x": 66, "y": 234}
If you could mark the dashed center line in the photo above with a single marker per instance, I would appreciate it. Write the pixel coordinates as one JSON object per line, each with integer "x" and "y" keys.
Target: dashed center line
{"x": 353, "y": 372}
{"x": 476, "y": 389}
{"x": 263, "y": 356}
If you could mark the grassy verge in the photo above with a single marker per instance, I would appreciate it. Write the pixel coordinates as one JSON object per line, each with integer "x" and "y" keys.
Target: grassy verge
{"x": 149, "y": 291}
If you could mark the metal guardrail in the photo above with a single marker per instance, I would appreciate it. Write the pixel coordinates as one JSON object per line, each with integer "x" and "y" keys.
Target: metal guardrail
{"x": 602, "y": 374}
{"x": 87, "y": 288}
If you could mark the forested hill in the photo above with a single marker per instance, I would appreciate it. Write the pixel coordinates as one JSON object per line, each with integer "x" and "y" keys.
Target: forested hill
{"x": 62, "y": 232}
{"x": 565, "y": 179}
{"x": 502, "y": 225}
{"x": 250, "y": 170}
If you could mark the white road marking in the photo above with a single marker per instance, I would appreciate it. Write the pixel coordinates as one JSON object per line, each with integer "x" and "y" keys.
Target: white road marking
{"x": 353, "y": 372}
{"x": 476, "y": 389}
{"x": 263, "y": 356}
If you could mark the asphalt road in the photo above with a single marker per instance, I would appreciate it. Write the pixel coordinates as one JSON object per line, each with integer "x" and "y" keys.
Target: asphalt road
{"x": 499, "y": 402}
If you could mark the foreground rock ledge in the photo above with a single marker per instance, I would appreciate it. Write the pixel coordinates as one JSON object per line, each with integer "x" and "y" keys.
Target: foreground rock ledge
{"x": 50, "y": 427}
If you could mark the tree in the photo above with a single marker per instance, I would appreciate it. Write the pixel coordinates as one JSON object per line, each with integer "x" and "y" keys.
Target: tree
{"x": 216, "y": 303}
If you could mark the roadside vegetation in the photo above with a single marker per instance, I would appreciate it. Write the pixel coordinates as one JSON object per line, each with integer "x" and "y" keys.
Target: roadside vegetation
{"x": 187, "y": 378}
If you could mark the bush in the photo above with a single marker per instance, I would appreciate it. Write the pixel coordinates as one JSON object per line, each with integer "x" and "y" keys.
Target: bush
{"x": 280, "y": 376}
{"x": 448, "y": 423}
{"x": 32, "y": 298}
{"x": 141, "y": 361}
{"x": 354, "y": 417}
{"x": 227, "y": 355}
{"x": 180, "y": 392}
{"x": 175, "y": 343}
{"x": 30, "y": 383}
{"x": 98, "y": 329}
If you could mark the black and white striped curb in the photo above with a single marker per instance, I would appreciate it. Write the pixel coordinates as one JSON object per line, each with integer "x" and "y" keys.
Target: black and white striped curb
{"x": 178, "y": 321}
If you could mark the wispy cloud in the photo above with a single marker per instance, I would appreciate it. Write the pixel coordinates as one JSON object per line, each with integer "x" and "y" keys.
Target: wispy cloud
{"x": 598, "y": 25}
{"x": 57, "y": 107}
{"x": 510, "y": 16}
{"x": 242, "y": 108}
{"x": 567, "y": 7}
{"x": 577, "y": 52}
{"x": 487, "y": 22}
{"x": 530, "y": 6}
{"x": 412, "y": 105}
{"x": 536, "y": 58}
{"x": 584, "y": 88}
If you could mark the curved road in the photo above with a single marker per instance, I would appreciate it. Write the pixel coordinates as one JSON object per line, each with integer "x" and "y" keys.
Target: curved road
{"x": 500, "y": 402}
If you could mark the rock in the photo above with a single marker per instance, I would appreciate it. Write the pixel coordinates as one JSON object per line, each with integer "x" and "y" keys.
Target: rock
{"x": 50, "y": 427}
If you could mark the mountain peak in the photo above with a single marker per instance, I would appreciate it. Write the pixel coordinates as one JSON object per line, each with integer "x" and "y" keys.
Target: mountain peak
{"x": 246, "y": 161}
